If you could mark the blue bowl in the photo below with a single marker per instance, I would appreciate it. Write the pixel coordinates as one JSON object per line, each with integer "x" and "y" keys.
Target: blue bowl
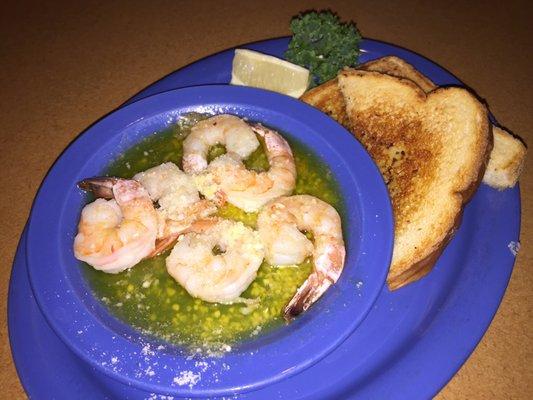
{"x": 123, "y": 356}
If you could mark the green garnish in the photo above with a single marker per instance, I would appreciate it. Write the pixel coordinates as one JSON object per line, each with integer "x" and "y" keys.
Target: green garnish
{"x": 323, "y": 44}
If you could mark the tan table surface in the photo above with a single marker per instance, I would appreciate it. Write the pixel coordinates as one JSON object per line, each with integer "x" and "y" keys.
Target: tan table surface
{"x": 63, "y": 66}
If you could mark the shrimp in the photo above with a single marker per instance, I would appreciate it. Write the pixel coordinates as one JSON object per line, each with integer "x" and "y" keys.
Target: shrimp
{"x": 280, "y": 224}
{"x": 217, "y": 277}
{"x": 227, "y": 176}
{"x": 178, "y": 199}
{"x": 229, "y": 130}
{"x": 114, "y": 235}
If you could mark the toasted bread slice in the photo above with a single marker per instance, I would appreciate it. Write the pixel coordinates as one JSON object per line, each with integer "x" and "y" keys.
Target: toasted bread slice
{"x": 509, "y": 153}
{"x": 432, "y": 151}
{"x": 506, "y": 159}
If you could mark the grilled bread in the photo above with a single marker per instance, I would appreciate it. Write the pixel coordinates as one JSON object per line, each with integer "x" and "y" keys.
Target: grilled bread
{"x": 508, "y": 154}
{"x": 432, "y": 151}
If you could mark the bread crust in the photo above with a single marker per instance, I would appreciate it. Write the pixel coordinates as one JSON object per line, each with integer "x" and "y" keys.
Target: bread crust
{"x": 506, "y": 160}
{"x": 395, "y": 66}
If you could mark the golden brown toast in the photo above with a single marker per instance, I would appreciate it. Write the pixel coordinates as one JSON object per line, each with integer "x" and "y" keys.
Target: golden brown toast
{"x": 508, "y": 154}
{"x": 432, "y": 151}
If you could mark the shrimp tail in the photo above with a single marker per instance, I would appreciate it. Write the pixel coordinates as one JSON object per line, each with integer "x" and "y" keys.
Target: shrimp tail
{"x": 274, "y": 142}
{"x": 259, "y": 129}
{"x": 310, "y": 291}
{"x": 161, "y": 245}
{"x": 202, "y": 225}
{"x": 100, "y": 186}
{"x": 176, "y": 229}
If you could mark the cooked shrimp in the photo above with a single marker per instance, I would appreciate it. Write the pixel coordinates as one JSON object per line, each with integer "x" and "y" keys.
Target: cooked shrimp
{"x": 227, "y": 176}
{"x": 229, "y": 130}
{"x": 217, "y": 277}
{"x": 280, "y": 224}
{"x": 178, "y": 198}
{"x": 114, "y": 235}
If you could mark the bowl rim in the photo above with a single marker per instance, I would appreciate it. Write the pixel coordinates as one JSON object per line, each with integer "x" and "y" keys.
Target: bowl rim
{"x": 62, "y": 307}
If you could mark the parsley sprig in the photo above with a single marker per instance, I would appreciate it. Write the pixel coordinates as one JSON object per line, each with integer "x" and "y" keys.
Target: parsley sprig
{"x": 323, "y": 44}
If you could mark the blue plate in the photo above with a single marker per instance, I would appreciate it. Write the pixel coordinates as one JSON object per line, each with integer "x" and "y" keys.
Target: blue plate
{"x": 410, "y": 344}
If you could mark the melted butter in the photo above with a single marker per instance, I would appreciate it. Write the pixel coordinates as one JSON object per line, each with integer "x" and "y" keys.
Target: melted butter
{"x": 146, "y": 296}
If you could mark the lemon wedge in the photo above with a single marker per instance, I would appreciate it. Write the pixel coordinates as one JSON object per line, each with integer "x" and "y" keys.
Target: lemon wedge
{"x": 251, "y": 68}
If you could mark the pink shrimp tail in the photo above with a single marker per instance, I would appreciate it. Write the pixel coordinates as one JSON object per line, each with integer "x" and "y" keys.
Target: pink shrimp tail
{"x": 162, "y": 245}
{"x": 274, "y": 142}
{"x": 100, "y": 186}
{"x": 311, "y": 290}
{"x": 328, "y": 268}
{"x": 165, "y": 243}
